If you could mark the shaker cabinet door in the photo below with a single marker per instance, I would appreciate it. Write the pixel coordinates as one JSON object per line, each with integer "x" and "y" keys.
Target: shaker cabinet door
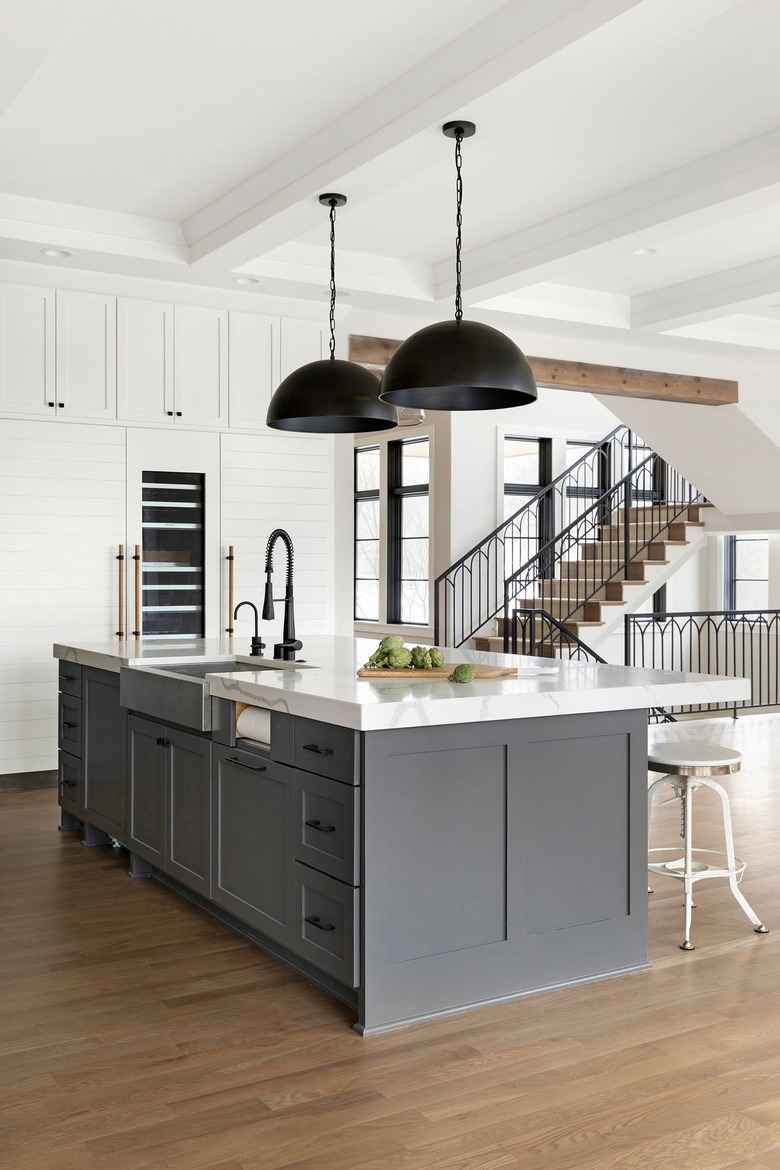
{"x": 27, "y": 370}
{"x": 144, "y": 360}
{"x": 147, "y": 756}
{"x": 86, "y": 355}
{"x": 189, "y": 811}
{"x": 254, "y": 368}
{"x": 201, "y": 366}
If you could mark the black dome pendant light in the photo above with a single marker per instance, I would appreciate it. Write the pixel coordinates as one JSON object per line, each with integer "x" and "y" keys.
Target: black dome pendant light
{"x": 458, "y": 365}
{"x": 330, "y": 396}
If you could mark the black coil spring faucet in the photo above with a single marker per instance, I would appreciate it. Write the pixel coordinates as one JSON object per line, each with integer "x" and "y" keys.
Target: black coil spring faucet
{"x": 289, "y": 644}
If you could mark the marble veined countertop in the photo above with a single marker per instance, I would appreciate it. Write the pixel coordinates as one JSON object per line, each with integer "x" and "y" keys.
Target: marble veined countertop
{"x": 325, "y": 685}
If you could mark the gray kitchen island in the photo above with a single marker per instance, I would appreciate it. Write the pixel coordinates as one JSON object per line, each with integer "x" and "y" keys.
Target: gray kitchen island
{"x": 417, "y": 848}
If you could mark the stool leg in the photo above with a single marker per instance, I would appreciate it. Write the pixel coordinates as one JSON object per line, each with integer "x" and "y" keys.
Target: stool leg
{"x": 687, "y": 945}
{"x": 731, "y": 857}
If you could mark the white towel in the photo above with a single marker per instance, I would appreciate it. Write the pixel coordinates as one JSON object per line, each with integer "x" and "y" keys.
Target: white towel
{"x": 255, "y": 723}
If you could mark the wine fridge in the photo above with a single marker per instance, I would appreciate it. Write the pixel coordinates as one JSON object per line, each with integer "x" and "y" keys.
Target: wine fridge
{"x": 172, "y": 558}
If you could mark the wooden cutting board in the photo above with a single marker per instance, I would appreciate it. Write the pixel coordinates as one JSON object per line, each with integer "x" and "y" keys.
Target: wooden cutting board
{"x": 436, "y": 672}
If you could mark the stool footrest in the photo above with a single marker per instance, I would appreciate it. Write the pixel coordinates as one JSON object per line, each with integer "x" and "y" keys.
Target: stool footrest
{"x": 704, "y": 863}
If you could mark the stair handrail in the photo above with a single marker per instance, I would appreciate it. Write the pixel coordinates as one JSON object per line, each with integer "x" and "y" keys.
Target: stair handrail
{"x": 592, "y": 521}
{"x": 605, "y": 446}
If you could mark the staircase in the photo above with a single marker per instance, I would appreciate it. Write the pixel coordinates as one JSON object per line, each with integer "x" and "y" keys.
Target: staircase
{"x": 596, "y": 619}
{"x": 589, "y": 547}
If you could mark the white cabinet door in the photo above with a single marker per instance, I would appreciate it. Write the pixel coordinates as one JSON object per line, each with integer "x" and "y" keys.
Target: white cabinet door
{"x": 254, "y": 368}
{"x": 301, "y": 342}
{"x": 86, "y": 355}
{"x": 201, "y": 366}
{"x": 144, "y": 359}
{"x": 27, "y": 349}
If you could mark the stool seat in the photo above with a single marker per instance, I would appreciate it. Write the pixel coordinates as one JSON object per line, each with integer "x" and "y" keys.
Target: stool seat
{"x": 687, "y": 767}
{"x": 693, "y": 759}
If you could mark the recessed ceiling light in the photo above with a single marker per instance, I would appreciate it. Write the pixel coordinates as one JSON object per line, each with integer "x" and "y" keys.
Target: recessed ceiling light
{"x": 246, "y": 280}
{"x": 56, "y": 252}
{"x": 644, "y": 251}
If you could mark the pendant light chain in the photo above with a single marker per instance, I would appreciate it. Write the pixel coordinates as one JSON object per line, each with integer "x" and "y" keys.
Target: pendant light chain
{"x": 332, "y": 342}
{"x": 458, "y": 223}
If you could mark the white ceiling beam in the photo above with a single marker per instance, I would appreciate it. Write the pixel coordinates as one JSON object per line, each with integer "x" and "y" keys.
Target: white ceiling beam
{"x": 687, "y": 198}
{"x": 706, "y": 298}
{"x": 277, "y": 204}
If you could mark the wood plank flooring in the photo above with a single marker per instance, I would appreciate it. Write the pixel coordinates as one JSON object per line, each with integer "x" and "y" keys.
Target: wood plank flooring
{"x": 138, "y": 1034}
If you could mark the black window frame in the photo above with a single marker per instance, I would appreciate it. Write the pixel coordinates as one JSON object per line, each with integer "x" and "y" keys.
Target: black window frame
{"x": 370, "y": 494}
{"x": 396, "y": 493}
{"x": 730, "y": 579}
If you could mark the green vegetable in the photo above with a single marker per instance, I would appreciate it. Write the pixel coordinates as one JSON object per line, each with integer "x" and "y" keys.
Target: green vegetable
{"x": 379, "y": 657}
{"x": 421, "y": 657}
{"x": 463, "y": 673}
{"x": 437, "y": 658}
{"x": 398, "y": 659}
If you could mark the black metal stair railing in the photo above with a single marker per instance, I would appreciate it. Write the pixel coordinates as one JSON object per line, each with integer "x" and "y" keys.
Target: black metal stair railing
{"x": 470, "y": 592}
{"x": 735, "y": 643}
{"x": 604, "y": 546}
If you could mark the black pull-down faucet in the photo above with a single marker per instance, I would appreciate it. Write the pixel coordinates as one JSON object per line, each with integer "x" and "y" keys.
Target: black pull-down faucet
{"x": 289, "y": 644}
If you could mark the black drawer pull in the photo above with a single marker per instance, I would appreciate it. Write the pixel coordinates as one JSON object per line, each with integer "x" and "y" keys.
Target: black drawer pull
{"x": 314, "y": 919}
{"x": 251, "y": 767}
{"x": 163, "y": 742}
{"x": 67, "y": 783}
{"x": 312, "y": 747}
{"x": 322, "y": 828}
{"x": 68, "y": 677}
{"x": 68, "y": 725}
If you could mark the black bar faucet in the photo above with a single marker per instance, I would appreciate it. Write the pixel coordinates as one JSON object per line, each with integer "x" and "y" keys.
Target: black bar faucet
{"x": 257, "y": 647}
{"x": 289, "y": 644}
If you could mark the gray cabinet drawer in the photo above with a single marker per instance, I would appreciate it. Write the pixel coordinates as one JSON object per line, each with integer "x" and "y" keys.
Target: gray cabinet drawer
{"x": 325, "y": 749}
{"x": 70, "y": 679}
{"x": 326, "y": 922}
{"x": 326, "y": 817}
{"x": 70, "y": 783}
{"x": 69, "y": 716}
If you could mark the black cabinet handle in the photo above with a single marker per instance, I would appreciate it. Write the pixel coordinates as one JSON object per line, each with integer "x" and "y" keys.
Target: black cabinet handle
{"x": 61, "y": 405}
{"x": 320, "y": 827}
{"x": 68, "y": 725}
{"x": 314, "y": 919}
{"x": 178, "y": 414}
{"x": 50, "y": 404}
{"x": 68, "y": 677}
{"x": 241, "y": 764}
{"x": 169, "y": 413}
{"x": 67, "y": 783}
{"x": 163, "y": 742}
{"x": 312, "y": 747}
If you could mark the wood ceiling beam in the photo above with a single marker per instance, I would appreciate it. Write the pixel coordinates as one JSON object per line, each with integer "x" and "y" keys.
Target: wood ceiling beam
{"x": 584, "y": 376}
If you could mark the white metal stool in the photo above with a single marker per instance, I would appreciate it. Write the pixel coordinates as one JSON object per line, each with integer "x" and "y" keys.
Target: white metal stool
{"x": 686, "y": 767}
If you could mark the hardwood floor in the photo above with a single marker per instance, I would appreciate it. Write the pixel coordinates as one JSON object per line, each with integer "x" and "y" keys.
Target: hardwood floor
{"x": 137, "y": 1033}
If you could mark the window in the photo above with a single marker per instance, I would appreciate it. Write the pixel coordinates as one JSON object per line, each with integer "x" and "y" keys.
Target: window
{"x": 527, "y": 468}
{"x": 367, "y": 481}
{"x": 746, "y": 572}
{"x": 392, "y": 532}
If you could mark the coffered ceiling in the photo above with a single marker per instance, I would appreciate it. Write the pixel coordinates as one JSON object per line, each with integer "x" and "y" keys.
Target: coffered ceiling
{"x": 625, "y": 171}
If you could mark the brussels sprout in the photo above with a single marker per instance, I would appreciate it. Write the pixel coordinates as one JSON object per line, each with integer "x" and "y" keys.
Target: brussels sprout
{"x": 421, "y": 658}
{"x": 398, "y": 659}
{"x": 437, "y": 658}
{"x": 463, "y": 673}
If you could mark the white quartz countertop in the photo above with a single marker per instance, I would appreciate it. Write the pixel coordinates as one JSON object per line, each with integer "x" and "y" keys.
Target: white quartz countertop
{"x": 326, "y": 686}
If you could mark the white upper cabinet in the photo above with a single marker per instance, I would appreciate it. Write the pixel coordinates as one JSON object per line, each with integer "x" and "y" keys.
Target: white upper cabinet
{"x": 301, "y": 342}
{"x": 86, "y": 355}
{"x": 254, "y": 368}
{"x": 144, "y": 361}
{"x": 27, "y": 374}
{"x": 201, "y": 366}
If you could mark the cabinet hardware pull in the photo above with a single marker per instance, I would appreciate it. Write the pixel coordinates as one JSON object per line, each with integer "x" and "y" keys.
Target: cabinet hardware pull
{"x": 67, "y": 783}
{"x": 178, "y": 414}
{"x": 312, "y": 747}
{"x": 314, "y": 919}
{"x": 61, "y": 405}
{"x": 169, "y": 413}
{"x": 322, "y": 828}
{"x": 50, "y": 404}
{"x": 163, "y": 742}
{"x": 241, "y": 764}
{"x": 68, "y": 677}
{"x": 69, "y": 725}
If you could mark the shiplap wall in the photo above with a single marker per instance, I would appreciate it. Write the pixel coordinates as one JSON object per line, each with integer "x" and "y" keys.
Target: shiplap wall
{"x": 62, "y": 513}
{"x": 279, "y": 481}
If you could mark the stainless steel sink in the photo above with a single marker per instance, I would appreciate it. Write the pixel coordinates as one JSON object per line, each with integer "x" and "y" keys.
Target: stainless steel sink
{"x": 177, "y": 692}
